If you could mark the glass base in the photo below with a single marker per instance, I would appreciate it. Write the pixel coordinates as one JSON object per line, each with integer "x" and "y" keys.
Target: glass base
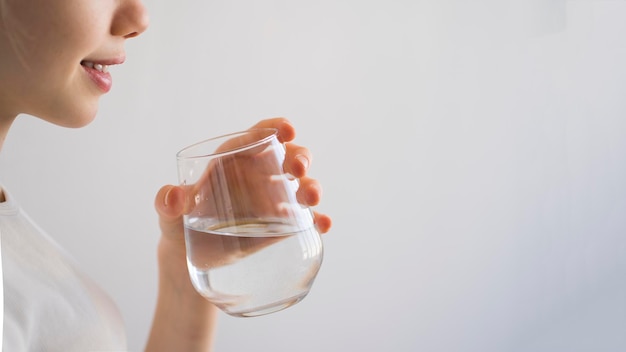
{"x": 266, "y": 309}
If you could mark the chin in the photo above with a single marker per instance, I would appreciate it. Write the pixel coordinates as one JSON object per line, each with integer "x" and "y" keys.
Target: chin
{"x": 75, "y": 125}
{"x": 78, "y": 123}
{"x": 70, "y": 118}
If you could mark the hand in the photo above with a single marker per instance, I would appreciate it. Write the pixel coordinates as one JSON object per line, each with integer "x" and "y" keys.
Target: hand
{"x": 171, "y": 201}
{"x": 184, "y": 320}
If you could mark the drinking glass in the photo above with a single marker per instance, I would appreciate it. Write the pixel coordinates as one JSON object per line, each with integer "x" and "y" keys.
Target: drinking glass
{"x": 252, "y": 249}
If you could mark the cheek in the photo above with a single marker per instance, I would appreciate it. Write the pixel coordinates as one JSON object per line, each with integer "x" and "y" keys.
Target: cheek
{"x": 42, "y": 46}
{"x": 55, "y": 29}
{"x": 27, "y": 38}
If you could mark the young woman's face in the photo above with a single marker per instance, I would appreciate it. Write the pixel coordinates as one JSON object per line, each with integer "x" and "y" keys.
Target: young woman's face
{"x": 54, "y": 54}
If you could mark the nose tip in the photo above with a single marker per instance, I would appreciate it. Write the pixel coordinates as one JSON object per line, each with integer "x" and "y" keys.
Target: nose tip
{"x": 142, "y": 25}
{"x": 143, "y": 22}
{"x": 131, "y": 19}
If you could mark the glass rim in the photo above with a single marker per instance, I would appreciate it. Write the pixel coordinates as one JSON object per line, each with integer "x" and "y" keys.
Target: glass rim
{"x": 185, "y": 153}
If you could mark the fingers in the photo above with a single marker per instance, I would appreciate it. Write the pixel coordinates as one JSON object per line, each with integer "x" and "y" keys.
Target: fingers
{"x": 170, "y": 203}
{"x": 297, "y": 160}
{"x": 323, "y": 222}
{"x": 286, "y": 131}
{"x": 310, "y": 192}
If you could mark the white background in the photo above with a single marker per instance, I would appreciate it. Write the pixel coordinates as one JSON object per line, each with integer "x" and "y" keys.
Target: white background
{"x": 472, "y": 153}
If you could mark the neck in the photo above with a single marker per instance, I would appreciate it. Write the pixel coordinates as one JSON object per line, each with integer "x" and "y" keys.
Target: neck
{"x": 5, "y": 124}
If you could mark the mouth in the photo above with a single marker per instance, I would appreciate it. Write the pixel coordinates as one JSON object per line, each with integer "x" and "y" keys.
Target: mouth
{"x": 96, "y": 66}
{"x": 102, "y": 65}
{"x": 98, "y": 72}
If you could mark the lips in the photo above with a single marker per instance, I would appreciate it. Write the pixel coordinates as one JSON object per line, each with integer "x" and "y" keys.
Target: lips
{"x": 99, "y": 67}
{"x": 98, "y": 71}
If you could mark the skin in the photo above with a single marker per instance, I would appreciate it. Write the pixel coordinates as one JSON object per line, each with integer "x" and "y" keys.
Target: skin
{"x": 39, "y": 79}
{"x": 194, "y": 315}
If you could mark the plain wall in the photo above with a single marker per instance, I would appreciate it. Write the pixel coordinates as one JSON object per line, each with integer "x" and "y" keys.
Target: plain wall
{"x": 472, "y": 154}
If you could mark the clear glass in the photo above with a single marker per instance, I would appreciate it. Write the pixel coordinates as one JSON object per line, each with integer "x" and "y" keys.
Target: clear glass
{"x": 252, "y": 249}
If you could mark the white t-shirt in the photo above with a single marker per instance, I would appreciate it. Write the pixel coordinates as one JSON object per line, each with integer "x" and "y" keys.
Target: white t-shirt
{"x": 49, "y": 304}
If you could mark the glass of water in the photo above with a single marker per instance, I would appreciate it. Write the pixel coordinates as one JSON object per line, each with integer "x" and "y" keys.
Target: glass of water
{"x": 252, "y": 249}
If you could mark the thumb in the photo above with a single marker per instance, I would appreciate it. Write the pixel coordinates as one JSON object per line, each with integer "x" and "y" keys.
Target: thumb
{"x": 169, "y": 204}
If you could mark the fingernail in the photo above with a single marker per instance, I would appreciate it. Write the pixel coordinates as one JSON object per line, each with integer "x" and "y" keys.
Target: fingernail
{"x": 167, "y": 195}
{"x": 304, "y": 161}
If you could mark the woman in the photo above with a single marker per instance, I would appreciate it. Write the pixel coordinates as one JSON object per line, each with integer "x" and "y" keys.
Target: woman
{"x": 54, "y": 59}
